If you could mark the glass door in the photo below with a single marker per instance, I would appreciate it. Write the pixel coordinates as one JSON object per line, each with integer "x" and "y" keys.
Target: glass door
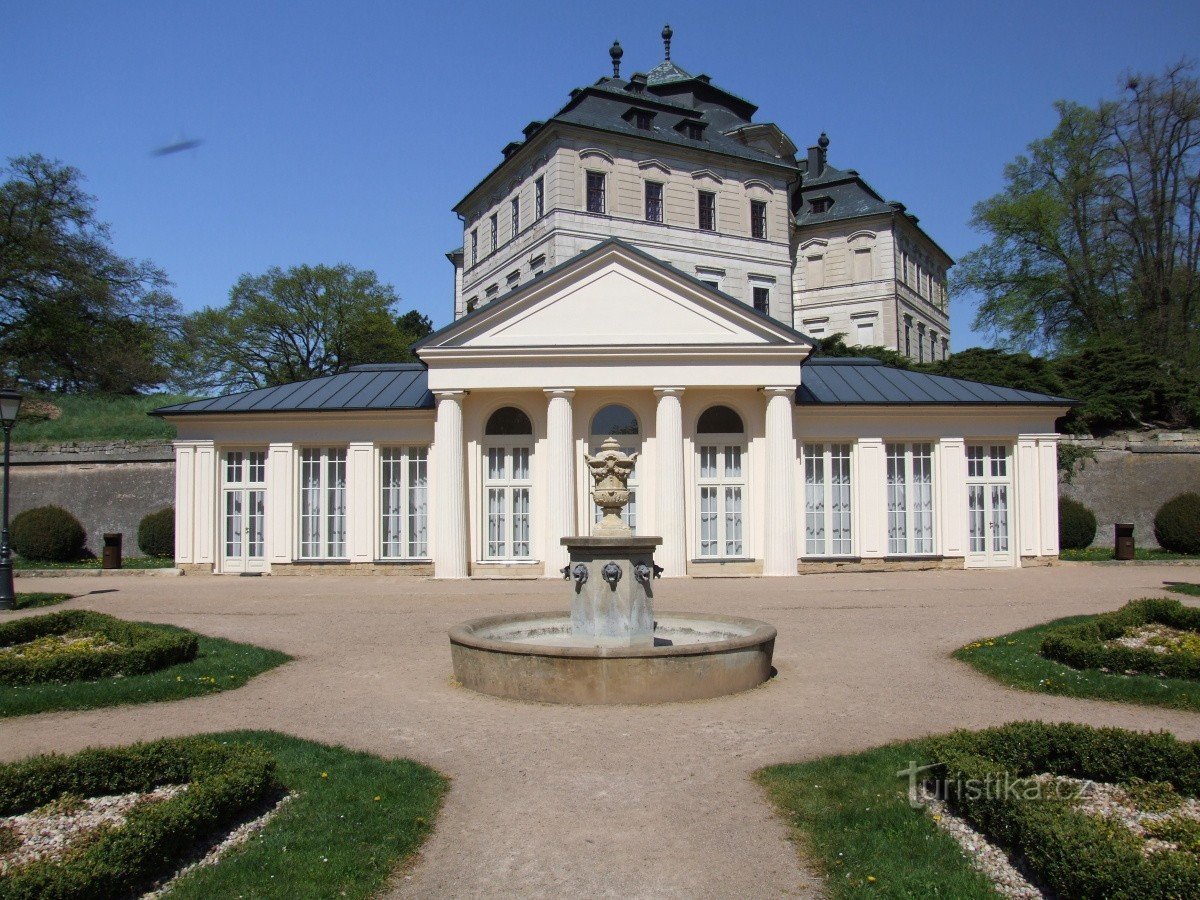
{"x": 243, "y": 508}
{"x": 989, "y": 504}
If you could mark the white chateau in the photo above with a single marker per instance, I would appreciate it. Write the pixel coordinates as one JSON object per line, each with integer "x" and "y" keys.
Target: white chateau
{"x": 649, "y": 263}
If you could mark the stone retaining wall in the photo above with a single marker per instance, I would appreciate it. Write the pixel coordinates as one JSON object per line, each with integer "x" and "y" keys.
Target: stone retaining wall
{"x": 1131, "y": 476}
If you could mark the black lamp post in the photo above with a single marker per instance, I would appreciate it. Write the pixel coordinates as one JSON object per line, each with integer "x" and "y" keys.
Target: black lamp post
{"x": 10, "y": 405}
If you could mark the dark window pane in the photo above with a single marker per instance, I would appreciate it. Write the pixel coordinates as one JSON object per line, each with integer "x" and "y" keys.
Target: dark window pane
{"x": 615, "y": 419}
{"x": 719, "y": 420}
{"x": 762, "y": 299}
{"x": 758, "y": 219}
{"x": 654, "y": 201}
{"x": 509, "y": 420}
{"x": 708, "y": 211}
{"x": 595, "y": 192}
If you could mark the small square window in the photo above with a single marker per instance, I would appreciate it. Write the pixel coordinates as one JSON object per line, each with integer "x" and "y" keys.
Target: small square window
{"x": 821, "y": 205}
{"x": 642, "y": 119}
{"x": 715, "y": 285}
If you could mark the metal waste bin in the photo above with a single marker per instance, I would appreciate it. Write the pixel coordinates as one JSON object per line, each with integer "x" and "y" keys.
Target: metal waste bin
{"x": 1124, "y": 547}
{"x": 111, "y": 556}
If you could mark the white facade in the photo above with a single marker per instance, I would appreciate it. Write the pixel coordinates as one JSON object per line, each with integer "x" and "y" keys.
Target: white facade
{"x": 733, "y": 474}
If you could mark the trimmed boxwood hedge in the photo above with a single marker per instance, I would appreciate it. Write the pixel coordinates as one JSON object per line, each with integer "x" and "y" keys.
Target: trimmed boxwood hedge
{"x": 1071, "y": 853}
{"x": 156, "y": 533}
{"x": 143, "y": 648}
{"x": 47, "y": 533}
{"x": 1082, "y": 646}
{"x": 1076, "y": 525}
{"x": 1177, "y": 524}
{"x": 225, "y": 782}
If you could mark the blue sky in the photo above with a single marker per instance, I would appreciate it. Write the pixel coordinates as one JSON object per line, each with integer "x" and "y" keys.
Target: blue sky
{"x": 344, "y": 132}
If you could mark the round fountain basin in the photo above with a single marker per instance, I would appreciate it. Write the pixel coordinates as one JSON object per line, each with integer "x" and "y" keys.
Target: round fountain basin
{"x": 534, "y": 656}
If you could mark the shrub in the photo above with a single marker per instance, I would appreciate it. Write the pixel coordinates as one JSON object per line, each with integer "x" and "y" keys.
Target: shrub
{"x": 1177, "y": 524}
{"x": 1082, "y": 646}
{"x": 48, "y": 533}
{"x": 1071, "y": 853}
{"x": 225, "y": 781}
{"x": 156, "y": 533}
{"x": 142, "y": 648}
{"x": 1076, "y": 524}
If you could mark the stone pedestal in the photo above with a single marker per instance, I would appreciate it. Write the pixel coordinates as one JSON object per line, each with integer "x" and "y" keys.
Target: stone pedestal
{"x": 613, "y": 596}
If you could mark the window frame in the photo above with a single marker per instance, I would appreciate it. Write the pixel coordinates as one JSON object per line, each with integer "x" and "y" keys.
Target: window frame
{"x": 515, "y": 217}
{"x": 654, "y": 207}
{"x": 495, "y": 228}
{"x": 765, "y": 306}
{"x": 758, "y": 223}
{"x": 539, "y": 197}
{"x": 413, "y": 459}
{"x": 600, "y": 192}
{"x": 827, "y": 453}
{"x": 245, "y": 486}
{"x": 914, "y": 543}
{"x": 721, "y": 484}
{"x": 327, "y": 456}
{"x": 700, "y": 197}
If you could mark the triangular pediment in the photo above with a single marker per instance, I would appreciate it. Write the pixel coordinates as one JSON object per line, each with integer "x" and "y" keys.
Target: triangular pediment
{"x": 614, "y": 296}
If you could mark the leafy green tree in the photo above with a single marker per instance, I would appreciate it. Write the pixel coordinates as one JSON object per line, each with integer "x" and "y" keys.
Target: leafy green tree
{"x": 1096, "y": 235}
{"x": 304, "y": 322}
{"x": 74, "y": 316}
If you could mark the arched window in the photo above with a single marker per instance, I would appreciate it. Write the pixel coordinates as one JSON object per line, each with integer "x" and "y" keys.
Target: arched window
{"x": 619, "y": 422}
{"x": 508, "y": 484}
{"x": 721, "y": 483}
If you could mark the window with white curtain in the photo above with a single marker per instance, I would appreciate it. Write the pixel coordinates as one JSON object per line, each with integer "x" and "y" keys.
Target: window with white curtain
{"x": 404, "y": 503}
{"x": 322, "y": 503}
{"x": 827, "y": 514}
{"x": 721, "y": 483}
{"x": 910, "y": 499}
{"x": 508, "y": 485}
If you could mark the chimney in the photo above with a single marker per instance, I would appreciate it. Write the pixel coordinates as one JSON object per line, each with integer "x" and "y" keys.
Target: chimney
{"x": 817, "y": 156}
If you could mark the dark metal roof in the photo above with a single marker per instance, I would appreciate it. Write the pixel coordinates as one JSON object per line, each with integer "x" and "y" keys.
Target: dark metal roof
{"x": 840, "y": 381}
{"x": 382, "y": 386}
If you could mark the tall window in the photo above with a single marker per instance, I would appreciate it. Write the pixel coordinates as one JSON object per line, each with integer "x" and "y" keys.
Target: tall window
{"x": 708, "y": 211}
{"x": 920, "y": 342}
{"x": 910, "y": 498}
{"x": 244, "y": 492}
{"x": 988, "y": 486}
{"x": 865, "y": 332}
{"x": 933, "y": 344}
{"x": 322, "y": 503}
{"x": 908, "y": 336}
{"x": 619, "y": 422}
{"x": 721, "y": 483}
{"x": 758, "y": 219}
{"x": 814, "y": 270}
{"x": 827, "y": 500}
{"x": 595, "y": 192}
{"x": 762, "y": 299}
{"x": 404, "y": 503}
{"x": 474, "y": 246}
{"x": 654, "y": 201}
{"x": 495, "y": 230}
{"x": 507, "y": 484}
{"x": 863, "y": 269}
{"x": 539, "y": 197}
{"x": 515, "y": 216}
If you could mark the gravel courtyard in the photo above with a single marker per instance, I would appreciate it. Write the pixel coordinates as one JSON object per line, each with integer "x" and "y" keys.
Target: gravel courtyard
{"x": 608, "y": 801}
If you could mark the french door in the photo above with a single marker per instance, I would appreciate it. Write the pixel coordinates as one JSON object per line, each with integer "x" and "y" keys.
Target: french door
{"x": 243, "y": 506}
{"x": 721, "y": 482}
{"x": 989, "y": 504}
{"x": 507, "y": 492}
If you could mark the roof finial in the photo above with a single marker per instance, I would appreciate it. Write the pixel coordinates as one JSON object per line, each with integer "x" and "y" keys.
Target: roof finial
{"x": 666, "y": 36}
{"x": 615, "y": 53}
{"x": 823, "y": 141}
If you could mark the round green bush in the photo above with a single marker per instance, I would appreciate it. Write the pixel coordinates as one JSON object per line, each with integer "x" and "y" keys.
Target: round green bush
{"x": 156, "y": 533}
{"x": 1177, "y": 525}
{"x": 47, "y": 534}
{"x": 1076, "y": 525}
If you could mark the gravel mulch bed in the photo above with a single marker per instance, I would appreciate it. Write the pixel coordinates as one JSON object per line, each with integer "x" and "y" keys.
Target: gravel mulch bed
{"x": 1155, "y": 637}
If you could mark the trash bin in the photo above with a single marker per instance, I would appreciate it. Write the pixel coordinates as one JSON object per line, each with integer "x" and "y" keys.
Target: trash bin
{"x": 1124, "y": 547}
{"x": 111, "y": 557}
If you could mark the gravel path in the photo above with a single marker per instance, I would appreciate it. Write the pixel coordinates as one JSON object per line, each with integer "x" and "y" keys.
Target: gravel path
{"x": 610, "y": 801}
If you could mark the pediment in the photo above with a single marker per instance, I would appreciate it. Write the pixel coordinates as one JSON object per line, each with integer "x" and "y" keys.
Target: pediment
{"x": 613, "y": 296}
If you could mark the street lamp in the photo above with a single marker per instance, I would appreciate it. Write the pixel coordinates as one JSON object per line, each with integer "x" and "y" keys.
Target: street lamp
{"x": 10, "y": 405}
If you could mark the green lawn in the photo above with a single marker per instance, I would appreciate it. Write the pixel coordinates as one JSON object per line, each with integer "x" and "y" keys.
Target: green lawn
{"x": 129, "y": 562}
{"x": 357, "y": 817}
{"x": 34, "y": 600}
{"x": 851, "y": 816}
{"x": 1015, "y": 660}
{"x": 219, "y": 666}
{"x": 1184, "y": 587}
{"x": 1105, "y": 554}
{"x": 97, "y": 418}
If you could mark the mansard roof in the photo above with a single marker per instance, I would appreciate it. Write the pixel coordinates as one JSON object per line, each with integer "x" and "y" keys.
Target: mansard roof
{"x": 855, "y": 381}
{"x": 363, "y": 388}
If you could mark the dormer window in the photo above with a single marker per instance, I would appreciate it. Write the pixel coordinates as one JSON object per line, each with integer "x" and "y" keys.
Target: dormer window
{"x": 641, "y": 119}
{"x": 821, "y": 204}
{"x": 692, "y": 130}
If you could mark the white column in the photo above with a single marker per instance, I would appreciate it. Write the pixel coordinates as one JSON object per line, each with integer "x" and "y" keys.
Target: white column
{"x": 449, "y": 488}
{"x": 281, "y": 493}
{"x": 560, "y": 477}
{"x": 670, "y": 489}
{"x": 779, "y": 524}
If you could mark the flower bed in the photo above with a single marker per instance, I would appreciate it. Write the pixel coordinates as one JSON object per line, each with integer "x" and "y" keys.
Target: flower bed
{"x": 224, "y": 782}
{"x": 76, "y": 645}
{"x": 1094, "y": 644}
{"x": 996, "y": 779}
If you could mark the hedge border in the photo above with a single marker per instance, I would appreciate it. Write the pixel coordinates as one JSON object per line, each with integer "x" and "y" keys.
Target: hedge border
{"x": 1082, "y": 646}
{"x": 225, "y": 782}
{"x": 1071, "y": 853}
{"x": 145, "y": 648}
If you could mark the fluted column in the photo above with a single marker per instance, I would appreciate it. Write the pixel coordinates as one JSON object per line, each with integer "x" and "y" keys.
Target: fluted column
{"x": 779, "y": 523}
{"x": 449, "y": 488}
{"x": 669, "y": 487}
{"x": 560, "y": 476}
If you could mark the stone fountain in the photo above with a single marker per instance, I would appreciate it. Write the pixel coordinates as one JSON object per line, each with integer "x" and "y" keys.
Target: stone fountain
{"x": 612, "y": 648}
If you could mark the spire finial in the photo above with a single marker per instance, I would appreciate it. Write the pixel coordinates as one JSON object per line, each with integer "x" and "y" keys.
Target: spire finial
{"x": 666, "y": 36}
{"x": 823, "y": 141}
{"x": 615, "y": 53}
